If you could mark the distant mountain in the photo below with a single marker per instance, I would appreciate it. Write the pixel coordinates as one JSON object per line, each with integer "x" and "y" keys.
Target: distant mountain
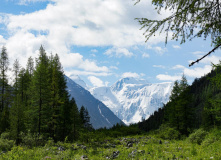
{"x": 79, "y": 81}
{"x": 131, "y": 99}
{"x": 101, "y": 116}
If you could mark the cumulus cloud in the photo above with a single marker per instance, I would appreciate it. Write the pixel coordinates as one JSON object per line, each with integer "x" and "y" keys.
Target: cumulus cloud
{"x": 211, "y": 59}
{"x": 67, "y": 23}
{"x": 132, "y": 74}
{"x": 2, "y": 41}
{"x": 165, "y": 77}
{"x": 86, "y": 73}
{"x": 198, "y": 71}
{"x": 96, "y": 81}
{"x": 118, "y": 52}
{"x": 87, "y": 23}
{"x": 178, "y": 67}
{"x": 160, "y": 50}
{"x": 176, "y": 46}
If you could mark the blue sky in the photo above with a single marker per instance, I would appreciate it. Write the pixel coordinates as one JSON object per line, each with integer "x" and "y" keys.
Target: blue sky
{"x": 99, "y": 40}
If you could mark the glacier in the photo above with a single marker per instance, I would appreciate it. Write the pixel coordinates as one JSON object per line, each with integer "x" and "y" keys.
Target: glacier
{"x": 131, "y": 99}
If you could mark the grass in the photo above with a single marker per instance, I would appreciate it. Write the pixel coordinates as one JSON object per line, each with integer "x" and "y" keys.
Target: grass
{"x": 140, "y": 147}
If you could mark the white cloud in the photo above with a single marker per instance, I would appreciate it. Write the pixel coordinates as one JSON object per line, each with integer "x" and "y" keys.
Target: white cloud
{"x": 132, "y": 74}
{"x": 86, "y": 73}
{"x": 76, "y": 60}
{"x": 118, "y": 52}
{"x": 145, "y": 55}
{"x": 94, "y": 23}
{"x": 176, "y": 46}
{"x": 96, "y": 81}
{"x": 178, "y": 67}
{"x": 160, "y": 50}
{"x": 2, "y": 41}
{"x": 67, "y": 23}
{"x": 198, "y": 71}
{"x": 165, "y": 77}
{"x": 198, "y": 52}
{"x": 211, "y": 59}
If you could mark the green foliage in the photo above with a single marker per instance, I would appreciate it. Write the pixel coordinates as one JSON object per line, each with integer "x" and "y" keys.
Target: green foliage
{"x": 167, "y": 133}
{"x": 144, "y": 147}
{"x": 5, "y": 143}
{"x": 198, "y": 136}
{"x": 31, "y": 140}
{"x": 213, "y": 136}
{"x": 187, "y": 19}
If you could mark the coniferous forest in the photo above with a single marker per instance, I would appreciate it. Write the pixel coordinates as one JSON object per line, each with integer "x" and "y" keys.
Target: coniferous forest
{"x": 38, "y": 102}
{"x": 190, "y": 107}
{"x": 39, "y": 119}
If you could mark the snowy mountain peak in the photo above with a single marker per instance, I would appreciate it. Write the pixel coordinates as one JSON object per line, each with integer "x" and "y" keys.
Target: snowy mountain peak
{"x": 128, "y": 80}
{"x": 101, "y": 116}
{"x": 79, "y": 81}
{"x": 132, "y": 99}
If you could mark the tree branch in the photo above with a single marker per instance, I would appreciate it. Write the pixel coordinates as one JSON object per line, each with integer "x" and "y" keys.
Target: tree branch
{"x": 191, "y": 64}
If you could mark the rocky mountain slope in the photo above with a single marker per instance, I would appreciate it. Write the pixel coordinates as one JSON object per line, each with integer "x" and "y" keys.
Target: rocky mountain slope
{"x": 101, "y": 116}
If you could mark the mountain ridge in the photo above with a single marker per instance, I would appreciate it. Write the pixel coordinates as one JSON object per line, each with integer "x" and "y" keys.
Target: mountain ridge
{"x": 100, "y": 115}
{"x": 131, "y": 99}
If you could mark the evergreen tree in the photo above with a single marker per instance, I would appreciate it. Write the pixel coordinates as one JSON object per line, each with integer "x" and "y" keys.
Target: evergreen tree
{"x": 5, "y": 95}
{"x": 85, "y": 118}
{"x": 40, "y": 90}
{"x": 4, "y": 63}
{"x": 214, "y": 108}
{"x": 175, "y": 91}
{"x": 16, "y": 112}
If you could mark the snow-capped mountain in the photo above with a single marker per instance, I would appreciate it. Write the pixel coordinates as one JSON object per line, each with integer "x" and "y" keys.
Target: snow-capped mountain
{"x": 100, "y": 115}
{"x": 131, "y": 99}
{"x": 79, "y": 81}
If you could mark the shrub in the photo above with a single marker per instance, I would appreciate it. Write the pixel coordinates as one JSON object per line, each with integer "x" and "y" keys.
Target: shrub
{"x": 31, "y": 140}
{"x": 166, "y": 132}
{"x": 198, "y": 136}
{"x": 213, "y": 136}
{"x": 5, "y": 143}
{"x": 5, "y": 135}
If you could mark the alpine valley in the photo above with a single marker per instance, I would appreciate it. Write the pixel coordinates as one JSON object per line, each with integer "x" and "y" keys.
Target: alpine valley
{"x": 100, "y": 115}
{"x": 132, "y": 99}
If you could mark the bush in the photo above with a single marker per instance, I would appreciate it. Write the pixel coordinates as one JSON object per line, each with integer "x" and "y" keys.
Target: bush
{"x": 213, "y": 136}
{"x": 5, "y": 143}
{"x": 5, "y": 135}
{"x": 166, "y": 132}
{"x": 31, "y": 140}
{"x": 198, "y": 136}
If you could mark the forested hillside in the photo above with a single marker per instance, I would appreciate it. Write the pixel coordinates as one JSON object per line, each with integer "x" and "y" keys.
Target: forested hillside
{"x": 190, "y": 107}
{"x": 38, "y": 103}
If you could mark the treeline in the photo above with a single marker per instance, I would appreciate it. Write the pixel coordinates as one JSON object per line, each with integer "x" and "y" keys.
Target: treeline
{"x": 38, "y": 102}
{"x": 190, "y": 107}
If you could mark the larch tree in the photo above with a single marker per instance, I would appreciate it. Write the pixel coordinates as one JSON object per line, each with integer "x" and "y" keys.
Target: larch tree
{"x": 16, "y": 111}
{"x": 5, "y": 95}
{"x": 40, "y": 90}
{"x": 188, "y": 19}
{"x": 4, "y": 66}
